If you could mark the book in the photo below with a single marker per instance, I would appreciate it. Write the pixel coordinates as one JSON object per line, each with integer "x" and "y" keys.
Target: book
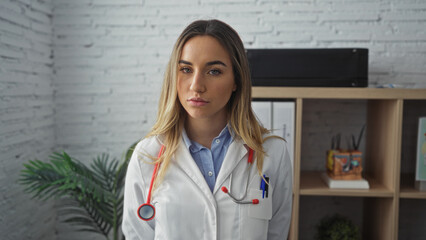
{"x": 420, "y": 185}
{"x": 421, "y": 151}
{"x": 348, "y": 184}
{"x": 263, "y": 112}
{"x": 283, "y": 114}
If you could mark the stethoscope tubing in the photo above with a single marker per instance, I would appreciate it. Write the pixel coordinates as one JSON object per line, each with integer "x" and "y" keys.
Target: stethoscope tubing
{"x": 229, "y": 192}
{"x": 148, "y": 200}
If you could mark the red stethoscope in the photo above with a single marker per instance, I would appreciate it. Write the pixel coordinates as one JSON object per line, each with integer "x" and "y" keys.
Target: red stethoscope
{"x": 146, "y": 211}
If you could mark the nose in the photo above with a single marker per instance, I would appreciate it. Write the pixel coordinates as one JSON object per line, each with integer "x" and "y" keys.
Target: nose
{"x": 197, "y": 83}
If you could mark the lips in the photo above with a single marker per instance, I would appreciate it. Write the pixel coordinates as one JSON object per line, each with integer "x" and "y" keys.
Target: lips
{"x": 197, "y": 102}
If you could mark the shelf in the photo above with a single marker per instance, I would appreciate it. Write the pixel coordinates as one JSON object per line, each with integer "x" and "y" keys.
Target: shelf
{"x": 407, "y": 189}
{"x": 312, "y": 184}
{"x": 391, "y": 117}
{"x": 337, "y": 93}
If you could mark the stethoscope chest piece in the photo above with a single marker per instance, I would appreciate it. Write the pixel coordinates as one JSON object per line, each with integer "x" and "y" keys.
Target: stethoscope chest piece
{"x": 146, "y": 212}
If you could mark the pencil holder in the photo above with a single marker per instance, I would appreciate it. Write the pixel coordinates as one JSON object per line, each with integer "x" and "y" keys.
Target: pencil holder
{"x": 344, "y": 165}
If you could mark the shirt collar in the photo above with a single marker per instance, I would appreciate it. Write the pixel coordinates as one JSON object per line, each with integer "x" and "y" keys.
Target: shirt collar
{"x": 194, "y": 147}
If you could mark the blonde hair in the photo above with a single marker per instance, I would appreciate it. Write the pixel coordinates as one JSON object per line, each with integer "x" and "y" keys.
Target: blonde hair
{"x": 171, "y": 115}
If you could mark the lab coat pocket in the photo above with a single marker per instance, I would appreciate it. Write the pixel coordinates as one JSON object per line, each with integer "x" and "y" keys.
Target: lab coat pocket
{"x": 255, "y": 219}
{"x": 263, "y": 210}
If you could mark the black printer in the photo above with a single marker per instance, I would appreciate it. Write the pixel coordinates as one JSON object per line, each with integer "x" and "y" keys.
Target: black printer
{"x": 330, "y": 67}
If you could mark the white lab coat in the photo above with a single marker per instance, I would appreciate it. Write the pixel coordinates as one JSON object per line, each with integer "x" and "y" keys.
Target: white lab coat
{"x": 186, "y": 208}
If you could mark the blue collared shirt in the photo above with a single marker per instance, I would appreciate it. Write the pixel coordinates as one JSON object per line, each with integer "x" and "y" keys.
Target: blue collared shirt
{"x": 209, "y": 160}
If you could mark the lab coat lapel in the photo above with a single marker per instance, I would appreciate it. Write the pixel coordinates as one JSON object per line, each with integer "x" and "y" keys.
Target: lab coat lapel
{"x": 236, "y": 152}
{"x": 185, "y": 161}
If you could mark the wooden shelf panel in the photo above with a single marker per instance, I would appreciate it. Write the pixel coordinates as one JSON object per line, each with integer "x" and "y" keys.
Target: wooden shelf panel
{"x": 407, "y": 189}
{"x": 338, "y": 93}
{"x": 312, "y": 184}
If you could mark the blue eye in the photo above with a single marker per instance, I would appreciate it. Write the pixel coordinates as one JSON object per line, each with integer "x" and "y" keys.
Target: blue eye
{"x": 215, "y": 72}
{"x": 185, "y": 70}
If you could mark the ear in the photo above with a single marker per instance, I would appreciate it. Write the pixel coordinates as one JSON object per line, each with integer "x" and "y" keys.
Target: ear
{"x": 234, "y": 88}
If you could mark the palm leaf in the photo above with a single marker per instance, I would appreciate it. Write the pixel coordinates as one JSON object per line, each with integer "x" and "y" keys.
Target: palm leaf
{"x": 91, "y": 197}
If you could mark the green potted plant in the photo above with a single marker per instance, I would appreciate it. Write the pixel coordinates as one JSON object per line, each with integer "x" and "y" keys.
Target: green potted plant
{"x": 337, "y": 227}
{"x": 91, "y": 196}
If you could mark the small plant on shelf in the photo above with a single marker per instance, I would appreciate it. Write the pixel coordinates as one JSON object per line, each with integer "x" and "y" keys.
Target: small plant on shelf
{"x": 337, "y": 227}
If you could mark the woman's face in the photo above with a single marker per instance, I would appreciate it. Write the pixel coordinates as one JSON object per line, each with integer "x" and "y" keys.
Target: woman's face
{"x": 205, "y": 78}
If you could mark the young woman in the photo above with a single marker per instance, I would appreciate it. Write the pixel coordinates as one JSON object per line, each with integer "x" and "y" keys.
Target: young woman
{"x": 208, "y": 169}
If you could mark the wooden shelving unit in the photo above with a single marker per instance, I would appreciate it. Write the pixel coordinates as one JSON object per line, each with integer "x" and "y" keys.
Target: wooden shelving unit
{"x": 382, "y": 158}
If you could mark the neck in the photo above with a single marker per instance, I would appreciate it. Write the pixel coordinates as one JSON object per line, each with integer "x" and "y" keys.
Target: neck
{"x": 203, "y": 131}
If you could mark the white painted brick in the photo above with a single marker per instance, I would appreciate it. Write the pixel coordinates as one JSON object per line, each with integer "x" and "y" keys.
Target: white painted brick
{"x": 76, "y": 11}
{"x": 409, "y": 27}
{"x": 80, "y": 52}
{"x": 78, "y": 72}
{"x": 83, "y": 109}
{"x": 399, "y": 38}
{"x": 81, "y": 140}
{"x": 238, "y": 19}
{"x": 42, "y": 69}
{"x": 72, "y": 20}
{"x": 132, "y": 10}
{"x": 39, "y": 58}
{"x": 238, "y": 8}
{"x": 45, "y": 7}
{"x": 208, "y": 2}
{"x": 299, "y": 7}
{"x": 38, "y": 16}
{"x": 41, "y": 101}
{"x": 359, "y": 6}
{"x": 15, "y": 67}
{"x": 73, "y": 119}
{"x": 130, "y": 51}
{"x": 185, "y": 10}
{"x": 79, "y": 31}
{"x": 252, "y": 29}
{"x": 165, "y": 4}
{"x": 8, "y": 5}
{"x": 409, "y": 6}
{"x": 15, "y": 41}
{"x": 397, "y": 16}
{"x": 11, "y": 53}
{"x": 114, "y": 3}
{"x": 293, "y": 17}
{"x": 343, "y": 37}
{"x": 43, "y": 123}
{"x": 119, "y": 21}
{"x": 41, "y": 28}
{"x": 13, "y": 17}
{"x": 288, "y": 27}
{"x": 132, "y": 31}
{"x": 72, "y": 41}
{"x": 348, "y": 28}
{"x": 41, "y": 47}
{"x": 9, "y": 27}
{"x": 66, "y": 3}
{"x": 12, "y": 127}
{"x": 285, "y": 38}
{"x": 83, "y": 90}
{"x": 365, "y": 16}
{"x": 119, "y": 71}
{"x": 39, "y": 38}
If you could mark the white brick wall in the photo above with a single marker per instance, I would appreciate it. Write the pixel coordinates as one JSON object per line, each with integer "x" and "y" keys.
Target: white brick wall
{"x": 26, "y": 114}
{"x": 99, "y": 92}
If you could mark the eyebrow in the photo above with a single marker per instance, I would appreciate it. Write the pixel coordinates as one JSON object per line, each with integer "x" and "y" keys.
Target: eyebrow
{"x": 216, "y": 62}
